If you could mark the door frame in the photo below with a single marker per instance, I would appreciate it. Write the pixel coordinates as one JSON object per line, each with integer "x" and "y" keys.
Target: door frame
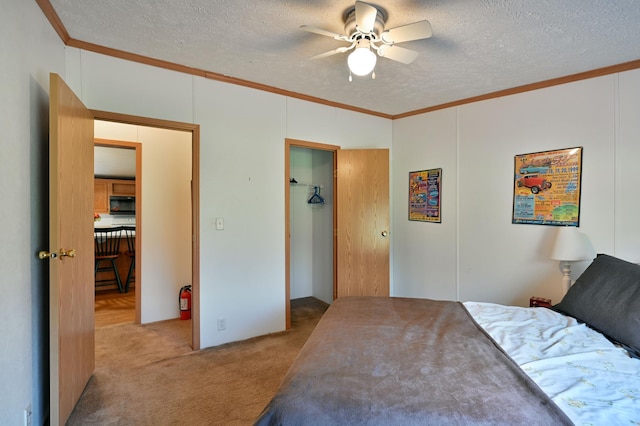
{"x": 194, "y": 129}
{"x": 288, "y": 143}
{"x": 137, "y": 146}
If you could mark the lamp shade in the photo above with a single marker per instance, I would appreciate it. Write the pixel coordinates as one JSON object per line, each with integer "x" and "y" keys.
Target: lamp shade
{"x": 362, "y": 60}
{"x": 572, "y": 245}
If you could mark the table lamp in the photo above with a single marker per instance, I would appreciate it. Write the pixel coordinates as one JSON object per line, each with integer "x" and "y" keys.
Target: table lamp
{"x": 570, "y": 246}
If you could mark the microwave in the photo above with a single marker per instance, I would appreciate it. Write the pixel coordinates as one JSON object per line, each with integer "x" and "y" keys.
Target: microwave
{"x": 119, "y": 204}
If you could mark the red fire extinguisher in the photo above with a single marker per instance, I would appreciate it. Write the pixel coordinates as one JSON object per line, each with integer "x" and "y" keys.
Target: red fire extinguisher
{"x": 184, "y": 300}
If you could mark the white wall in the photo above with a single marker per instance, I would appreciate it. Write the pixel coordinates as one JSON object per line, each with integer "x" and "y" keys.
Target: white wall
{"x": 165, "y": 263}
{"x": 322, "y": 227}
{"x": 301, "y": 224}
{"x": 475, "y": 145}
{"x": 517, "y": 266}
{"x": 241, "y": 180}
{"x": 29, "y": 51}
{"x": 425, "y": 253}
{"x": 627, "y": 172}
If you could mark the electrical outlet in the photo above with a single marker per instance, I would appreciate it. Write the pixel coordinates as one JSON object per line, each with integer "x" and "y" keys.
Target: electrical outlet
{"x": 27, "y": 415}
{"x": 222, "y": 323}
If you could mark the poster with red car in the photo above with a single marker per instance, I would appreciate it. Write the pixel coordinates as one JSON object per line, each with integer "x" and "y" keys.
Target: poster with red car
{"x": 424, "y": 195}
{"x": 546, "y": 189}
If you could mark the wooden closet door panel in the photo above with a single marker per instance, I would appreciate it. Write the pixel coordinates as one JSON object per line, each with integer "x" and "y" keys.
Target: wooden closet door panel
{"x": 362, "y": 222}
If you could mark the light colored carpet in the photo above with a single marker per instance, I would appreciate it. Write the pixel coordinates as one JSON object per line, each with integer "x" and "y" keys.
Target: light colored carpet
{"x": 148, "y": 375}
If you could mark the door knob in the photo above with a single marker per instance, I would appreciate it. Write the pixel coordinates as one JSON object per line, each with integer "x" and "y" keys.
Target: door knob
{"x": 67, "y": 253}
{"x": 45, "y": 254}
{"x": 52, "y": 255}
{"x": 385, "y": 233}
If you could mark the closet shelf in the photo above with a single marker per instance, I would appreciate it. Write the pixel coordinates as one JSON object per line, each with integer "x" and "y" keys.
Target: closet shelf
{"x": 311, "y": 185}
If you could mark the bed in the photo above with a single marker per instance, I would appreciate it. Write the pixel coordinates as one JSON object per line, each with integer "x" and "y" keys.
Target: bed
{"x": 401, "y": 361}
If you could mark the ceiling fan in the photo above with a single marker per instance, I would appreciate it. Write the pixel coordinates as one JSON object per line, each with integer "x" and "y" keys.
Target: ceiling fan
{"x": 364, "y": 31}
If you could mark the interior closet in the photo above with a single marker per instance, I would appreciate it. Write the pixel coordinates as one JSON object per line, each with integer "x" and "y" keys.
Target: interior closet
{"x": 311, "y": 223}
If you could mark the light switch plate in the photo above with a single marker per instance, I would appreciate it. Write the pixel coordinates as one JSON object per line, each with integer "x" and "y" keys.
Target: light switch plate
{"x": 219, "y": 223}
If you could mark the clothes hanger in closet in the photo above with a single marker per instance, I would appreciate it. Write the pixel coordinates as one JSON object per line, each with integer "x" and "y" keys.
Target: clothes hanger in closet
{"x": 316, "y": 198}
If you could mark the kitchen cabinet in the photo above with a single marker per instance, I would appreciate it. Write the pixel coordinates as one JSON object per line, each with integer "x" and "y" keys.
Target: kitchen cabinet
{"x": 101, "y": 196}
{"x": 105, "y": 188}
{"x": 123, "y": 187}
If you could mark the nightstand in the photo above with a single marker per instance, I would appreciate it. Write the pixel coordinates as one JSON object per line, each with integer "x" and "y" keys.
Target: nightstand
{"x": 539, "y": 302}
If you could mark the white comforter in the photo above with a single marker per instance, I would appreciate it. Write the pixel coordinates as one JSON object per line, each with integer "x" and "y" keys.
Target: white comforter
{"x": 590, "y": 379}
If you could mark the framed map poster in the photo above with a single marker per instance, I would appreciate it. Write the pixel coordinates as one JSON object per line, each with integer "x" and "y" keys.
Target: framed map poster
{"x": 546, "y": 187}
{"x": 424, "y": 195}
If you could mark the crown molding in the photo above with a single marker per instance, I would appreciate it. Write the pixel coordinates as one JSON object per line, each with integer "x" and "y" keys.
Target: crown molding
{"x": 58, "y": 26}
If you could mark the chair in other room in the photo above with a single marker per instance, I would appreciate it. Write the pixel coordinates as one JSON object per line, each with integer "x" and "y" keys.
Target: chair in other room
{"x": 107, "y": 250}
{"x": 130, "y": 234}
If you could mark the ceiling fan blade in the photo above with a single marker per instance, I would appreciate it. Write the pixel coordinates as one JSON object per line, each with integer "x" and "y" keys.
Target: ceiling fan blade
{"x": 397, "y": 53}
{"x": 332, "y": 52}
{"x": 416, "y": 31}
{"x": 365, "y": 16}
{"x": 322, "y": 32}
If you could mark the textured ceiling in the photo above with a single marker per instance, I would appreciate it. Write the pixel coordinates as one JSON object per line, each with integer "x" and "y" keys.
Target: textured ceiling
{"x": 478, "y": 46}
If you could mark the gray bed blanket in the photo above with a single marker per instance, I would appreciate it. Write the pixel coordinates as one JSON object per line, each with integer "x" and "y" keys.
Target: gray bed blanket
{"x": 396, "y": 361}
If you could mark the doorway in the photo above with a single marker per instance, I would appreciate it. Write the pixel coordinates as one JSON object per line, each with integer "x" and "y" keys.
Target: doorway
{"x": 310, "y": 239}
{"x": 117, "y": 168}
{"x": 361, "y": 221}
{"x": 192, "y": 199}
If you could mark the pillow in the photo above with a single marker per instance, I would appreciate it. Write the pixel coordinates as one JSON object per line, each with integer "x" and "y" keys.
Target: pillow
{"x": 607, "y": 297}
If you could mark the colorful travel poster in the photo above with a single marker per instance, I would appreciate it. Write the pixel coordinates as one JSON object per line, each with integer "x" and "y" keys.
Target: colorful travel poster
{"x": 424, "y": 195}
{"x": 546, "y": 189}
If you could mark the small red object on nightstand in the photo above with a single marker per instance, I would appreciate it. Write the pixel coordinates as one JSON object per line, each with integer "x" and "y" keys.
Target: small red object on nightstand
{"x": 539, "y": 302}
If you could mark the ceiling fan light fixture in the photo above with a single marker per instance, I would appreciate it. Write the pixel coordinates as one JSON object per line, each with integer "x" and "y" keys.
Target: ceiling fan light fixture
{"x": 362, "y": 60}
{"x": 364, "y": 30}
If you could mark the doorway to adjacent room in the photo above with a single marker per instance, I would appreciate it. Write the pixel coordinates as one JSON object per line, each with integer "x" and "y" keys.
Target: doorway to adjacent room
{"x": 153, "y": 301}
{"x": 117, "y": 166}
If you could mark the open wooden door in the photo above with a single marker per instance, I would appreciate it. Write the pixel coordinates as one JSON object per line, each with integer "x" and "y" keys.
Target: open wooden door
{"x": 71, "y": 303}
{"x": 362, "y": 222}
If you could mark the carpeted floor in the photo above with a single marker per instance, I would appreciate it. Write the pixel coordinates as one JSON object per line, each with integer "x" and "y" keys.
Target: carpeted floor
{"x": 148, "y": 375}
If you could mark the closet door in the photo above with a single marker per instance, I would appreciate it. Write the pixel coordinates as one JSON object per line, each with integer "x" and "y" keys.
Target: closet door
{"x": 362, "y": 222}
